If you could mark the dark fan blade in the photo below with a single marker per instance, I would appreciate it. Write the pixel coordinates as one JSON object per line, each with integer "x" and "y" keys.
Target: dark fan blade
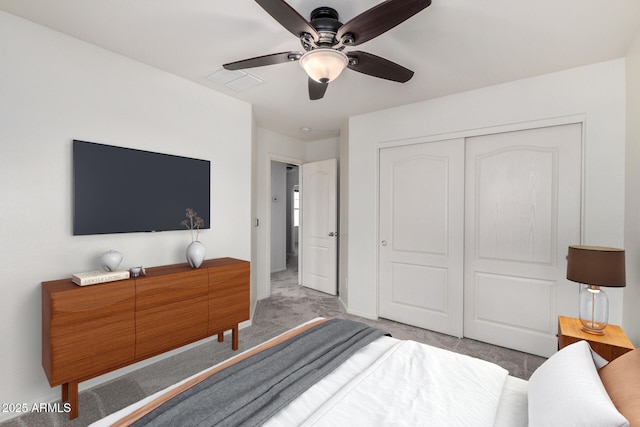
{"x": 380, "y": 19}
{"x": 316, "y": 90}
{"x": 288, "y": 17}
{"x": 259, "y": 61}
{"x": 373, "y": 65}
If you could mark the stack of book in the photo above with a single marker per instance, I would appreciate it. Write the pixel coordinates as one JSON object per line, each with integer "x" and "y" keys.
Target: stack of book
{"x": 98, "y": 276}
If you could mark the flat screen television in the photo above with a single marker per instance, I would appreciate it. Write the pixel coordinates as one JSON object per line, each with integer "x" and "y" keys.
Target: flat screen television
{"x": 124, "y": 190}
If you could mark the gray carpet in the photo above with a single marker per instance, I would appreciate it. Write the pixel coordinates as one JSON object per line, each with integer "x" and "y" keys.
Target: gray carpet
{"x": 288, "y": 306}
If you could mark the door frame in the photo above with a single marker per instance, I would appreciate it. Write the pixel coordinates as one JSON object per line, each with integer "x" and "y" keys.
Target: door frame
{"x": 511, "y": 127}
{"x": 272, "y": 157}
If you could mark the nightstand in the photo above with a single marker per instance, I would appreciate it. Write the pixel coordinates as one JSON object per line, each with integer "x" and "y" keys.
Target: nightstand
{"x": 612, "y": 344}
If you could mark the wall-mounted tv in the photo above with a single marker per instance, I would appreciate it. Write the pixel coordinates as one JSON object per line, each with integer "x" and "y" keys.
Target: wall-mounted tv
{"x": 123, "y": 190}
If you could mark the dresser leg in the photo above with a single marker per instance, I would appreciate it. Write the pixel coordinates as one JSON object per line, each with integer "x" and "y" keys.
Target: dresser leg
{"x": 234, "y": 338}
{"x": 221, "y": 337}
{"x": 70, "y": 394}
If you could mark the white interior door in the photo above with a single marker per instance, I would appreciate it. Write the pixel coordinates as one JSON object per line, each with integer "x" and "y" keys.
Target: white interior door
{"x": 421, "y": 235}
{"x": 320, "y": 226}
{"x": 523, "y": 195}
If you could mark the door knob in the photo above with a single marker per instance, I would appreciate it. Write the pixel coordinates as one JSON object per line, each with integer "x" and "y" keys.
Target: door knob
{"x": 384, "y": 243}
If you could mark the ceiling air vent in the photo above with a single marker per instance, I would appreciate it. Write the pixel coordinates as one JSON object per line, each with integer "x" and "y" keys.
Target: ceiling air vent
{"x": 236, "y": 80}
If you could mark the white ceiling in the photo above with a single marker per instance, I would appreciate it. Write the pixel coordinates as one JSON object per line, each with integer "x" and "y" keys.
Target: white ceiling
{"x": 453, "y": 46}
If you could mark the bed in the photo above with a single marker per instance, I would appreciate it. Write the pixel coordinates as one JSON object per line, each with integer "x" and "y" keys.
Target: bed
{"x": 334, "y": 372}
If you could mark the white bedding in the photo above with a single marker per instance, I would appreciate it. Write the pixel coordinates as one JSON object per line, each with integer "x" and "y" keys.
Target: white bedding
{"x": 393, "y": 382}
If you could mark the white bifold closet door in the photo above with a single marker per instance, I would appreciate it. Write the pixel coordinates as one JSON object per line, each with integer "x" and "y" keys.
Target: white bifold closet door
{"x": 522, "y": 199}
{"x": 421, "y": 239}
{"x": 474, "y": 234}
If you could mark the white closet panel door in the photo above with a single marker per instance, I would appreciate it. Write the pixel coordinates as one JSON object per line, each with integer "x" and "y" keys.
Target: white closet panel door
{"x": 523, "y": 192}
{"x": 421, "y": 235}
{"x": 320, "y": 226}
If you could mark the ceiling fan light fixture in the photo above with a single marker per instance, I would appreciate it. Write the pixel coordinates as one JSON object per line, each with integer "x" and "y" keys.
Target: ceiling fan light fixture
{"x": 324, "y": 64}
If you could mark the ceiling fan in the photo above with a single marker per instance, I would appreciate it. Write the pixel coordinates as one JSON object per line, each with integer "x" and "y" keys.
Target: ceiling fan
{"x": 324, "y": 39}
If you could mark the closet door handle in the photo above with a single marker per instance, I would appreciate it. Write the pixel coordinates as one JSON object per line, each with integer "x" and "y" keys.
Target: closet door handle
{"x": 383, "y": 243}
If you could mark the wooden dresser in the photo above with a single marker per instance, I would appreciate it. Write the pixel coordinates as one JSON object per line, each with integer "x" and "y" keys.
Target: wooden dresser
{"x": 88, "y": 331}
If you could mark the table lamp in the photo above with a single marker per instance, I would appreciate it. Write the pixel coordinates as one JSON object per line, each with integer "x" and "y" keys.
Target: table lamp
{"x": 595, "y": 266}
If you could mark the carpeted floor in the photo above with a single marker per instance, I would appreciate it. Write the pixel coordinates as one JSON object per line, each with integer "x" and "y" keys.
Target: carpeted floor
{"x": 288, "y": 306}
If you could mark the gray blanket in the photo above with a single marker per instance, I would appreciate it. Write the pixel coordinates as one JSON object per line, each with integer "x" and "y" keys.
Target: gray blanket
{"x": 251, "y": 391}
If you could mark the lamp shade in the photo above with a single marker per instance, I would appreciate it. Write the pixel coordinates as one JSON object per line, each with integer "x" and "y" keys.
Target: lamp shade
{"x": 596, "y": 265}
{"x": 324, "y": 64}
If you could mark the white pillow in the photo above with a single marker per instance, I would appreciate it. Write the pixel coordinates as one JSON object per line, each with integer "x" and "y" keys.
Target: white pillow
{"x": 566, "y": 391}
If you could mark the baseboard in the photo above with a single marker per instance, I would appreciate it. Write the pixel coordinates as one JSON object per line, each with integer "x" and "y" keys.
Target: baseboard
{"x": 343, "y": 304}
{"x": 362, "y": 314}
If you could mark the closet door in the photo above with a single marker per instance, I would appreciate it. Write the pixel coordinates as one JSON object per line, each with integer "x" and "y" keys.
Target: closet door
{"x": 523, "y": 192}
{"x": 421, "y": 235}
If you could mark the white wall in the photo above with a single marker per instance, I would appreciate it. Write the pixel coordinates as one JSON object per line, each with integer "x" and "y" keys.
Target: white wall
{"x": 631, "y": 321}
{"x": 53, "y": 89}
{"x": 323, "y": 149}
{"x": 597, "y": 92}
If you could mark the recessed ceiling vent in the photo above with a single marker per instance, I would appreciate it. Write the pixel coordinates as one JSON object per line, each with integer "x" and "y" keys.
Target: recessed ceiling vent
{"x": 237, "y": 80}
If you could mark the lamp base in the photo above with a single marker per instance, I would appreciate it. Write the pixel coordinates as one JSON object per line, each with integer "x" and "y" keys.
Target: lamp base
{"x": 592, "y": 330}
{"x": 594, "y": 310}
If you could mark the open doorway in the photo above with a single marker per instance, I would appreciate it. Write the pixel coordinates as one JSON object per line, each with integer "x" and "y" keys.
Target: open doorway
{"x": 315, "y": 238}
{"x": 285, "y": 224}
{"x": 293, "y": 226}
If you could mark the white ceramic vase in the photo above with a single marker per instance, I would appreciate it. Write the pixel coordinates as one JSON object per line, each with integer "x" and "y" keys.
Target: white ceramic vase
{"x": 195, "y": 254}
{"x": 110, "y": 260}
